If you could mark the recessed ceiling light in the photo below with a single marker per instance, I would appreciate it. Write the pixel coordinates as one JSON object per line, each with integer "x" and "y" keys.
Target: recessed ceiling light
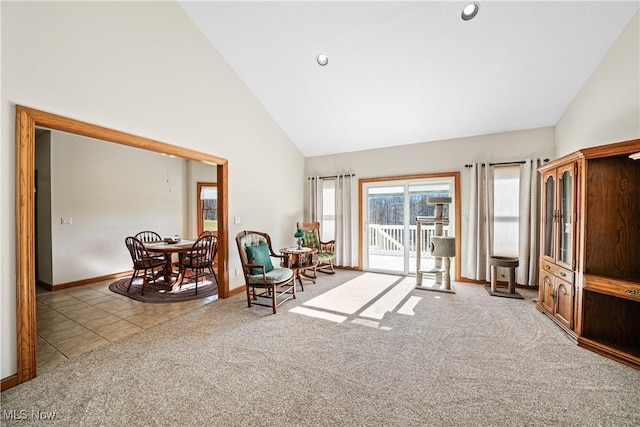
{"x": 470, "y": 11}
{"x": 322, "y": 59}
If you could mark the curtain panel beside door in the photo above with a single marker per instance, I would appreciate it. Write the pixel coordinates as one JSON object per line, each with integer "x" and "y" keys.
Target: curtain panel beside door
{"x": 346, "y": 252}
{"x": 480, "y": 234}
{"x": 345, "y": 214}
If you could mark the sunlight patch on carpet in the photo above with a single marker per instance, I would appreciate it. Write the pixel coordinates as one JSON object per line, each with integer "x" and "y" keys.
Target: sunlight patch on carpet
{"x": 319, "y": 314}
{"x": 366, "y": 322}
{"x": 407, "y": 307}
{"x": 365, "y": 300}
{"x": 351, "y": 296}
{"x": 389, "y": 301}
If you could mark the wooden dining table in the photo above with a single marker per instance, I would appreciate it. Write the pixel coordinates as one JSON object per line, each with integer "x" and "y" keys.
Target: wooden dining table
{"x": 168, "y": 249}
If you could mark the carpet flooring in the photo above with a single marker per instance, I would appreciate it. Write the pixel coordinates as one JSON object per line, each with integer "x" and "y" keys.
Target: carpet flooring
{"x": 160, "y": 292}
{"x": 400, "y": 357}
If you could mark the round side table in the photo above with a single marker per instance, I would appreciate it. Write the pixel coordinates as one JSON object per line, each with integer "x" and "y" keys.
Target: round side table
{"x": 299, "y": 260}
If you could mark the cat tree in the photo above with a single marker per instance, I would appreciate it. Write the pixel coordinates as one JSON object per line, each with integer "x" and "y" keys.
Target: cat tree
{"x": 443, "y": 248}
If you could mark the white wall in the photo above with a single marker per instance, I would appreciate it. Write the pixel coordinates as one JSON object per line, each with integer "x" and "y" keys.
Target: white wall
{"x": 607, "y": 108}
{"x": 109, "y": 191}
{"x": 142, "y": 68}
{"x": 438, "y": 156}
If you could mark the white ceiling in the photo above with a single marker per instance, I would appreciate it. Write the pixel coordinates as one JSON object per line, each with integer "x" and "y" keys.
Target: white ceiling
{"x": 409, "y": 72}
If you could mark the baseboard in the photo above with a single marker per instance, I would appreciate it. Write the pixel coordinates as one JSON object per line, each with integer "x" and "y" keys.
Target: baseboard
{"x": 44, "y": 285}
{"x": 236, "y": 291}
{"x": 83, "y": 282}
{"x": 467, "y": 280}
{"x": 9, "y": 382}
{"x": 499, "y": 283}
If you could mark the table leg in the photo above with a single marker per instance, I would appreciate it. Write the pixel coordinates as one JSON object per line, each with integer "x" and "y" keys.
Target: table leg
{"x": 176, "y": 284}
{"x": 301, "y": 276}
{"x": 167, "y": 268}
{"x": 298, "y": 276}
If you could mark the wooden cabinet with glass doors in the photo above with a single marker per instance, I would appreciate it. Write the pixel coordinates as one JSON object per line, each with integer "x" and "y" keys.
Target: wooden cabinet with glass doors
{"x": 557, "y": 263}
{"x": 590, "y": 248}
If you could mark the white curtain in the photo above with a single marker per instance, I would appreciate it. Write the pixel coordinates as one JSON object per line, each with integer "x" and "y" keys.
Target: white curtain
{"x": 480, "y": 234}
{"x": 528, "y": 247}
{"x": 346, "y": 255}
{"x": 315, "y": 199}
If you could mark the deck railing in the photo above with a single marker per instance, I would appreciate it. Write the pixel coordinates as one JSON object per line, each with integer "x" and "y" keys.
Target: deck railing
{"x": 390, "y": 238}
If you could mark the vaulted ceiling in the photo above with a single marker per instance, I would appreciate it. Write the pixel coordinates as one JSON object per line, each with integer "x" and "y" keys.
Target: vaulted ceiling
{"x": 409, "y": 72}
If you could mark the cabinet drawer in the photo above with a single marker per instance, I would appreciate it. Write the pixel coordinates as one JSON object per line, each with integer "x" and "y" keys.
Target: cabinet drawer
{"x": 564, "y": 274}
{"x": 548, "y": 267}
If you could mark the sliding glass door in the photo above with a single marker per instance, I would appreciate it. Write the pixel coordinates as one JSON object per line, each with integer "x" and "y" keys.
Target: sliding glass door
{"x": 389, "y": 222}
{"x": 384, "y": 228}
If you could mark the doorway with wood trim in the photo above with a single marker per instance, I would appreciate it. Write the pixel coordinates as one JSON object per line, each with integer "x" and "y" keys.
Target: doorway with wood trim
{"x": 27, "y": 119}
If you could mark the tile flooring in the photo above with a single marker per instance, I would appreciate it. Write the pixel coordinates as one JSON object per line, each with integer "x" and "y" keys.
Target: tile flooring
{"x": 75, "y": 320}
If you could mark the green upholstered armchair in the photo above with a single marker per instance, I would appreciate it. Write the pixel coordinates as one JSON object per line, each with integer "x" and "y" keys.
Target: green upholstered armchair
{"x": 326, "y": 250}
{"x": 277, "y": 283}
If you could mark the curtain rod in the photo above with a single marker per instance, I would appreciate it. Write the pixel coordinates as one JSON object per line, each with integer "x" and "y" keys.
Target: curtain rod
{"x": 331, "y": 176}
{"x": 505, "y": 163}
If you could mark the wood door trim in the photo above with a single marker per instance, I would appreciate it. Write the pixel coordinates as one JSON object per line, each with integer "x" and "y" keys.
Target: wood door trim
{"x": 26, "y": 121}
{"x": 456, "y": 197}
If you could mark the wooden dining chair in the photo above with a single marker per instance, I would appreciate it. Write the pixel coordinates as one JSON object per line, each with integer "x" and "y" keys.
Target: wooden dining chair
{"x": 200, "y": 258}
{"x": 143, "y": 262}
{"x": 214, "y": 252}
{"x": 150, "y": 237}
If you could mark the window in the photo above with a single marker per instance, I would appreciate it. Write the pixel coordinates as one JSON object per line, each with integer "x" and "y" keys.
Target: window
{"x": 506, "y": 210}
{"x": 207, "y": 207}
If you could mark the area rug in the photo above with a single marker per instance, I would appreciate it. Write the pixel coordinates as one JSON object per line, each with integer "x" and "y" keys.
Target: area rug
{"x": 160, "y": 291}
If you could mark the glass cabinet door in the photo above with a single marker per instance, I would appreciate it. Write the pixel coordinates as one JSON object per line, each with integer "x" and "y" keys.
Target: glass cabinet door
{"x": 565, "y": 220}
{"x": 549, "y": 215}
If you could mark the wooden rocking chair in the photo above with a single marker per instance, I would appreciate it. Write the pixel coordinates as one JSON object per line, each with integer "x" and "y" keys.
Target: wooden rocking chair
{"x": 326, "y": 250}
